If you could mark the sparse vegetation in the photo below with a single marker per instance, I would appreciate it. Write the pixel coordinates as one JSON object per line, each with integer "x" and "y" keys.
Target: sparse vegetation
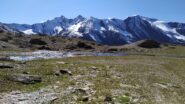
{"x": 127, "y": 79}
{"x": 143, "y": 76}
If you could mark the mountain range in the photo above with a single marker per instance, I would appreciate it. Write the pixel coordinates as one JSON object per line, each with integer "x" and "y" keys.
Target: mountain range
{"x": 105, "y": 31}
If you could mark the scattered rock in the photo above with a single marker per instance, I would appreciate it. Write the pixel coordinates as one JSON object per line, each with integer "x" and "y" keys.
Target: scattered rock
{"x": 42, "y": 96}
{"x": 160, "y": 85}
{"x": 94, "y": 68}
{"x": 108, "y": 99}
{"x": 25, "y": 72}
{"x": 149, "y": 44}
{"x": 25, "y": 79}
{"x": 6, "y": 65}
{"x": 62, "y": 72}
{"x": 84, "y": 98}
{"x": 38, "y": 42}
{"x": 80, "y": 91}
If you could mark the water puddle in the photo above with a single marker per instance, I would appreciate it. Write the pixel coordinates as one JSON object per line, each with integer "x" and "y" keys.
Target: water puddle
{"x": 42, "y": 54}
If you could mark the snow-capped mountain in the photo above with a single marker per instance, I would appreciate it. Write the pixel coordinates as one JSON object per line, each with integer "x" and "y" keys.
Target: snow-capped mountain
{"x": 108, "y": 31}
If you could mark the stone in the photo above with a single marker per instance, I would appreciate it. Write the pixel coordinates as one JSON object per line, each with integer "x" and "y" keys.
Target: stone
{"x": 25, "y": 78}
{"x": 84, "y": 98}
{"x": 25, "y": 72}
{"x": 108, "y": 99}
{"x": 94, "y": 68}
{"x": 80, "y": 91}
{"x": 6, "y": 65}
{"x": 62, "y": 72}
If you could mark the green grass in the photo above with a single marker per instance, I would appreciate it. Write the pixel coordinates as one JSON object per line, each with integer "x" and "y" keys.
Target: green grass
{"x": 124, "y": 99}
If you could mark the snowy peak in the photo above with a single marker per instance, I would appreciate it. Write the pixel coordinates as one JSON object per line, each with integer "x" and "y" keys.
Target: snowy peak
{"x": 79, "y": 18}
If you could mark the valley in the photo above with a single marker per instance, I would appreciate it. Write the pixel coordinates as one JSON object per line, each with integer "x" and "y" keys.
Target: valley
{"x": 69, "y": 71}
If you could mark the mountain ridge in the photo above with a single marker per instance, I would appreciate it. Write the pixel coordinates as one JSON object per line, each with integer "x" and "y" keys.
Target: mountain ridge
{"x": 108, "y": 31}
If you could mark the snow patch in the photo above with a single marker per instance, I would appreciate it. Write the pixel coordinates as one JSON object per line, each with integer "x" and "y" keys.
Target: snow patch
{"x": 126, "y": 33}
{"x": 180, "y": 37}
{"x": 74, "y": 29}
{"x": 102, "y": 29}
{"x": 95, "y": 37}
{"x": 58, "y": 29}
{"x": 28, "y": 32}
{"x": 166, "y": 28}
{"x": 163, "y": 26}
{"x": 111, "y": 28}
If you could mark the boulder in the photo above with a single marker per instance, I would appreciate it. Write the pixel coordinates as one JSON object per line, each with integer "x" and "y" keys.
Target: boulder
{"x": 84, "y": 98}
{"x": 108, "y": 99}
{"x": 25, "y": 78}
{"x": 149, "y": 44}
{"x": 6, "y": 65}
{"x": 94, "y": 68}
{"x": 62, "y": 72}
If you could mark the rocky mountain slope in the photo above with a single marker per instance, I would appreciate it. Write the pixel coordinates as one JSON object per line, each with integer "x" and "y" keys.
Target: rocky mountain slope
{"x": 107, "y": 31}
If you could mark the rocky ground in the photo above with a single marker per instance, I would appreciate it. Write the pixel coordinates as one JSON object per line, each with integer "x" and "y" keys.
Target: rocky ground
{"x": 145, "y": 74}
{"x": 132, "y": 79}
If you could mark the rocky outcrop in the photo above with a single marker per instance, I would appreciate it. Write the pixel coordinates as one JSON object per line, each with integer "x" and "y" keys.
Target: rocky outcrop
{"x": 43, "y": 96}
{"x": 25, "y": 78}
{"x": 6, "y": 65}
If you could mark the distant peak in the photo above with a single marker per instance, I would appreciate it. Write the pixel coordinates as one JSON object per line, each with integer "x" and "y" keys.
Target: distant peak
{"x": 93, "y": 18}
{"x": 136, "y": 16}
{"x": 80, "y": 16}
{"x": 59, "y": 18}
{"x": 62, "y": 16}
{"x": 139, "y": 17}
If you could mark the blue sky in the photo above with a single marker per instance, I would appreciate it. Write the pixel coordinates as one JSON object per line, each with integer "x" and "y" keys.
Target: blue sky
{"x": 34, "y": 11}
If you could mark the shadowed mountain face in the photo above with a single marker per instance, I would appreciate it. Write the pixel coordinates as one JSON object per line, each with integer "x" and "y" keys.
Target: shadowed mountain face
{"x": 106, "y": 31}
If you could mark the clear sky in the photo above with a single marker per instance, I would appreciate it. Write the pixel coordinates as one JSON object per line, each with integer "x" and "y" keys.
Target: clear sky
{"x": 34, "y": 11}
